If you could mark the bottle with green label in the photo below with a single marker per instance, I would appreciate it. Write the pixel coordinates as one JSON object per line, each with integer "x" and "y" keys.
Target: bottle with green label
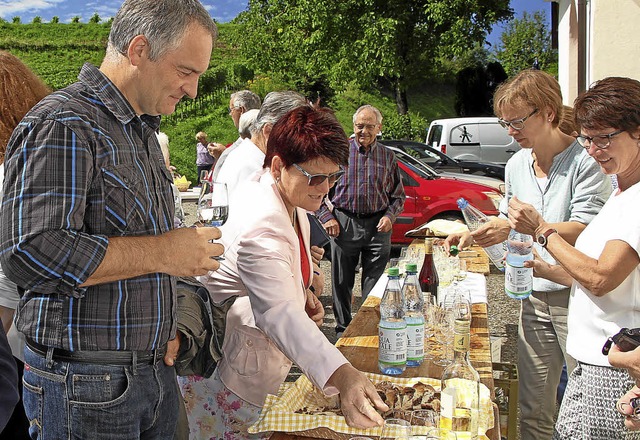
{"x": 413, "y": 315}
{"x": 392, "y": 329}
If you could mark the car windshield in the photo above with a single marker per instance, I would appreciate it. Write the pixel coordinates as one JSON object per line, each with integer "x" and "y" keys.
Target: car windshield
{"x": 414, "y": 164}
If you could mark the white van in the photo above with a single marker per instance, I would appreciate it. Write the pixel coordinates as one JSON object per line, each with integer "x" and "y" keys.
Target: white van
{"x": 475, "y": 139}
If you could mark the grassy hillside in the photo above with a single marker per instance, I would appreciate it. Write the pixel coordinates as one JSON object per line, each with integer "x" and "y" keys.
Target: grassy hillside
{"x": 56, "y": 52}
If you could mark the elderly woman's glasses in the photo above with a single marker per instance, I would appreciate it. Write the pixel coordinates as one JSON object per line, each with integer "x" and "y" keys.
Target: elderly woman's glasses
{"x": 516, "y": 124}
{"x": 318, "y": 179}
{"x": 601, "y": 141}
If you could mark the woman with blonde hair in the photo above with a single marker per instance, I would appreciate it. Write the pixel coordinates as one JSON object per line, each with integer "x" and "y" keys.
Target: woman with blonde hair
{"x": 551, "y": 180}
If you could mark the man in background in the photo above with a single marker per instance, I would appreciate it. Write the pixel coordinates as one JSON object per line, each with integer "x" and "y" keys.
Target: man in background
{"x": 239, "y": 103}
{"x": 87, "y": 232}
{"x": 366, "y": 202}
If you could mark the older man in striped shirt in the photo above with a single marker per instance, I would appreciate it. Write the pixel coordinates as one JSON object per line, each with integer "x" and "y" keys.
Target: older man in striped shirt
{"x": 366, "y": 202}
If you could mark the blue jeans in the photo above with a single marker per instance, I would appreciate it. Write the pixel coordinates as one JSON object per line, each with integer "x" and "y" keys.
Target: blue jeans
{"x": 71, "y": 400}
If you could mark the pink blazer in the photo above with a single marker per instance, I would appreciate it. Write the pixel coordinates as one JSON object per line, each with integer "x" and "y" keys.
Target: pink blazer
{"x": 267, "y": 327}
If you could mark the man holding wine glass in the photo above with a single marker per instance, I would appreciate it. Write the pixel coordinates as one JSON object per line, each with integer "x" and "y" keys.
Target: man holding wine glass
{"x": 88, "y": 232}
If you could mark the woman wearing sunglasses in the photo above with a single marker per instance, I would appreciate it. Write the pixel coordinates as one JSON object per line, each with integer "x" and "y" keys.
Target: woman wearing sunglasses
{"x": 268, "y": 266}
{"x": 602, "y": 269}
{"x": 551, "y": 180}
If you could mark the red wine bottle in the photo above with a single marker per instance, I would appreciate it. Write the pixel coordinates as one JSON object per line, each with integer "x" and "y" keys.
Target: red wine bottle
{"x": 428, "y": 275}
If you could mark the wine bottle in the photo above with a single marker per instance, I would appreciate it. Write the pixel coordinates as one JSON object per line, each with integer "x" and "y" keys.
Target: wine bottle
{"x": 413, "y": 305}
{"x": 428, "y": 277}
{"x": 392, "y": 330}
{"x": 460, "y": 395}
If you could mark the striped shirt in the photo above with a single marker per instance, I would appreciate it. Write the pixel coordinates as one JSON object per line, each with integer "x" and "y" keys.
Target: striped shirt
{"x": 371, "y": 184}
{"x": 82, "y": 167}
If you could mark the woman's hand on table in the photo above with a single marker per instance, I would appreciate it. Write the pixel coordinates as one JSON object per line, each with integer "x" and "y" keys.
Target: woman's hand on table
{"x": 358, "y": 397}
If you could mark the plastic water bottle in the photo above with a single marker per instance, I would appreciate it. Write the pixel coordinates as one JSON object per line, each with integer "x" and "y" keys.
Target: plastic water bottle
{"x": 392, "y": 330}
{"x": 413, "y": 306}
{"x": 474, "y": 219}
{"x": 518, "y": 280}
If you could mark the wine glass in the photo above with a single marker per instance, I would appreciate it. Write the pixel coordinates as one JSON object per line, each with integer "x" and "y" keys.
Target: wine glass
{"x": 398, "y": 429}
{"x": 213, "y": 204}
{"x": 204, "y": 176}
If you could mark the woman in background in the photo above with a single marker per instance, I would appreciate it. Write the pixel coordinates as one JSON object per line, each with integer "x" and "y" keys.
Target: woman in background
{"x": 268, "y": 264}
{"x": 20, "y": 89}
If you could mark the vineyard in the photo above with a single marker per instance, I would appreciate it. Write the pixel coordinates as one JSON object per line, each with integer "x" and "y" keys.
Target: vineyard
{"x": 57, "y": 51}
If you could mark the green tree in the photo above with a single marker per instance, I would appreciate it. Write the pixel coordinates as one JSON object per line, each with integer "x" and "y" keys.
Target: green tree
{"x": 524, "y": 41}
{"x": 75, "y": 19}
{"x": 55, "y": 19}
{"x": 392, "y": 43}
{"x": 95, "y": 18}
{"x": 15, "y": 20}
{"x": 37, "y": 19}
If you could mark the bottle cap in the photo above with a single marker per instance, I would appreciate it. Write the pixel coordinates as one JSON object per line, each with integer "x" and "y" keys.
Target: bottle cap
{"x": 393, "y": 272}
{"x": 411, "y": 267}
{"x": 453, "y": 250}
{"x": 462, "y": 203}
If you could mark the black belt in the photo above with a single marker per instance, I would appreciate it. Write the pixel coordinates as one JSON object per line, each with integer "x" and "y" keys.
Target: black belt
{"x": 105, "y": 357}
{"x": 358, "y": 215}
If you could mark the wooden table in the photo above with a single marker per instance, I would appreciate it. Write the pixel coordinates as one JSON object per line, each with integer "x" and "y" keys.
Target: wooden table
{"x": 365, "y": 323}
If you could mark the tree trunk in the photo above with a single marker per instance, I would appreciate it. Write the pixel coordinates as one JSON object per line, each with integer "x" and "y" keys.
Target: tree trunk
{"x": 401, "y": 98}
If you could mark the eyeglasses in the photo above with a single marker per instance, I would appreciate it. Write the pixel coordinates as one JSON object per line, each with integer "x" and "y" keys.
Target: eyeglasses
{"x": 516, "y": 124}
{"x": 601, "y": 141}
{"x": 318, "y": 179}
{"x": 369, "y": 127}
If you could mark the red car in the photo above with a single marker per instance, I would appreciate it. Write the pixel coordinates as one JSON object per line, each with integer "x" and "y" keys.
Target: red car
{"x": 430, "y": 196}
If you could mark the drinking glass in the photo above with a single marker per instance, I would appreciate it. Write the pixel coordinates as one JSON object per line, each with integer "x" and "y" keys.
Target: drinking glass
{"x": 440, "y": 434}
{"x": 396, "y": 429}
{"x": 213, "y": 204}
{"x": 204, "y": 176}
{"x": 443, "y": 322}
{"x": 360, "y": 437}
{"x": 424, "y": 417}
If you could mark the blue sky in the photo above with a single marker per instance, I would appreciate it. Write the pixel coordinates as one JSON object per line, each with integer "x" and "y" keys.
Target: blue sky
{"x": 221, "y": 10}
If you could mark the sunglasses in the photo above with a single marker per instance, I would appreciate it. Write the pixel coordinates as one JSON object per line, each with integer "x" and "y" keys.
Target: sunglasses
{"x": 318, "y": 179}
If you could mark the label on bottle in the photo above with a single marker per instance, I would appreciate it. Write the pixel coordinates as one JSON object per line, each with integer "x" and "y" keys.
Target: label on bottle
{"x": 448, "y": 400}
{"x": 518, "y": 281}
{"x": 392, "y": 347}
{"x": 415, "y": 341}
{"x": 461, "y": 342}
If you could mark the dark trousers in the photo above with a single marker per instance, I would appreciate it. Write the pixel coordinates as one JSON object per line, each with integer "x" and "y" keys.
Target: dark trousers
{"x": 18, "y": 426}
{"x": 358, "y": 240}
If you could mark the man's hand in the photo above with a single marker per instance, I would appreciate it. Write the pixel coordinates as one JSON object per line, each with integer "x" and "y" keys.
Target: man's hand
{"x": 384, "y": 225}
{"x": 358, "y": 397}
{"x": 523, "y": 217}
{"x": 173, "y": 347}
{"x": 332, "y": 227}
{"x": 314, "y": 308}
{"x": 191, "y": 251}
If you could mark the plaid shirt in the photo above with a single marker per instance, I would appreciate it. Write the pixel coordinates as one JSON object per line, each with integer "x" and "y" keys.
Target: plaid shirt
{"x": 371, "y": 184}
{"x": 82, "y": 167}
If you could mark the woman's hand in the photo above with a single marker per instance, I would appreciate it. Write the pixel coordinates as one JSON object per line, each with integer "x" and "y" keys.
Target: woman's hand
{"x": 358, "y": 397}
{"x": 540, "y": 267}
{"x": 316, "y": 254}
{"x": 314, "y": 308}
{"x": 523, "y": 217}
{"x": 630, "y": 360}
{"x": 631, "y": 420}
{"x": 495, "y": 231}
{"x": 460, "y": 239}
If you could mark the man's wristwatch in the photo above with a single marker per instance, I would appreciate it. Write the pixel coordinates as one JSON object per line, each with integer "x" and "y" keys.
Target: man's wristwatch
{"x": 542, "y": 238}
